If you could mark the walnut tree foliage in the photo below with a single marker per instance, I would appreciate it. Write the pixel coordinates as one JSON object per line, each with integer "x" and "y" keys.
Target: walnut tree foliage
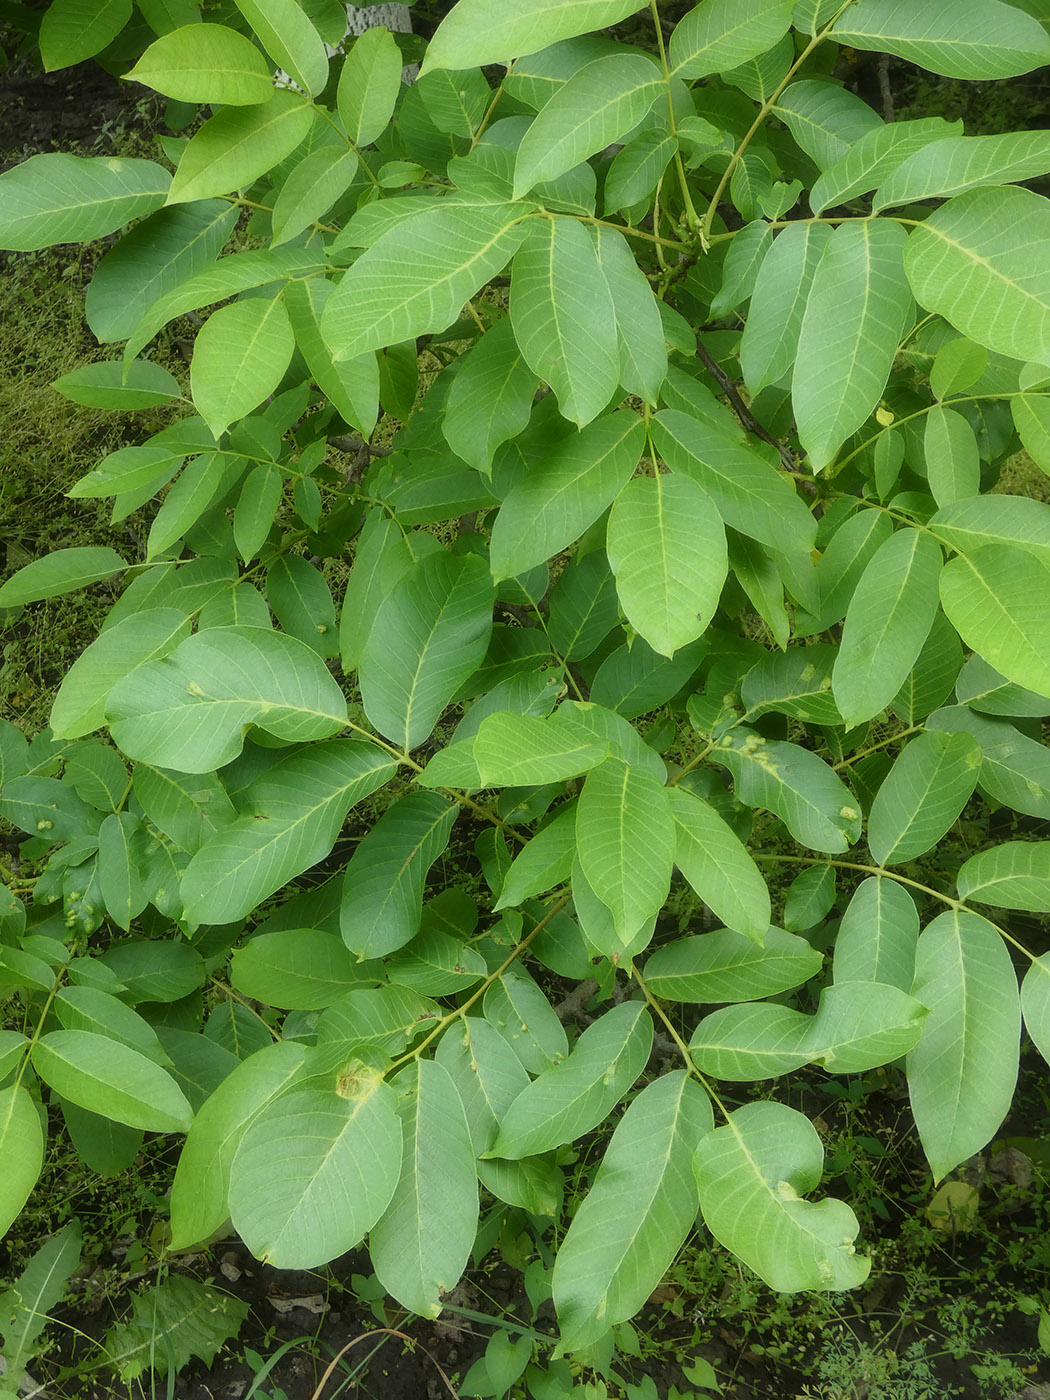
{"x": 688, "y": 571}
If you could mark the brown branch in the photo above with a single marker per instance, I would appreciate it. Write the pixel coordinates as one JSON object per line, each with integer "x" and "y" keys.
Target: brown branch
{"x": 748, "y": 420}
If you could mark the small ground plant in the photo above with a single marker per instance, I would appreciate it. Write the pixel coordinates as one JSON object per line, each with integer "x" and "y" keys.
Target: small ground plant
{"x": 466, "y": 894}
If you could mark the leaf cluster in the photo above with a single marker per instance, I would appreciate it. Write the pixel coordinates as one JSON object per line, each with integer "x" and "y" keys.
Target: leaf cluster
{"x": 684, "y": 566}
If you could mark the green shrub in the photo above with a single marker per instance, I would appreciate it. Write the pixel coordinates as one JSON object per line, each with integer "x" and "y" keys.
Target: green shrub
{"x": 653, "y": 599}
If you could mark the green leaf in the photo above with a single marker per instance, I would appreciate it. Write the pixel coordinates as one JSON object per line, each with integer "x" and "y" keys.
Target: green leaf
{"x": 72, "y": 30}
{"x": 437, "y": 963}
{"x": 877, "y": 936}
{"x": 926, "y": 789}
{"x": 858, "y": 308}
{"x": 290, "y": 39}
{"x": 383, "y": 554}
{"x": 1032, "y": 421}
{"x": 957, "y": 366}
{"x": 950, "y": 37}
{"x": 24, "y": 1307}
{"x": 748, "y": 250}
{"x": 862, "y": 1025}
{"x": 598, "y": 105}
{"x": 127, "y": 385}
{"x": 983, "y": 688}
{"x": 583, "y": 606}
{"x": 369, "y": 85}
{"x": 626, "y": 841}
{"x": 22, "y": 1145}
{"x": 874, "y": 156}
{"x": 1013, "y": 875}
{"x": 173, "y": 1323}
{"x": 716, "y": 863}
{"x": 636, "y": 170}
{"x": 157, "y": 255}
{"x": 47, "y": 807}
{"x": 383, "y": 885}
{"x": 310, "y": 190}
{"x": 154, "y": 971}
{"x": 296, "y": 969}
{"x": 598, "y": 926}
{"x": 421, "y": 1244}
{"x": 486, "y": 1072}
{"x": 973, "y": 261}
{"x": 415, "y": 278}
{"x": 1035, "y": 1004}
{"x": 200, "y": 1189}
{"x": 302, "y": 602}
{"x": 80, "y": 705}
{"x": 256, "y": 509}
{"x": 203, "y": 483}
{"x": 238, "y": 144}
{"x": 536, "y": 1184}
{"x": 190, "y": 711}
{"x": 456, "y": 102}
{"x": 430, "y": 633}
{"x": 887, "y": 622}
{"x": 752, "y": 1175}
{"x": 565, "y": 491}
{"x": 632, "y": 1222}
{"x": 314, "y": 1170}
{"x": 563, "y": 316}
{"x": 752, "y": 1041}
{"x": 187, "y": 808}
{"x": 575, "y": 1095}
{"x": 994, "y": 597}
{"x": 814, "y": 804}
{"x": 824, "y": 118}
{"x": 351, "y": 385}
{"x": 809, "y": 898}
{"x": 639, "y": 325}
{"x": 953, "y": 459}
{"x": 1011, "y": 520}
{"x": 239, "y": 272}
{"x": 778, "y": 301}
{"x": 470, "y": 35}
{"x": 526, "y": 1020}
{"x": 520, "y": 750}
{"x": 667, "y": 548}
{"x": 289, "y": 819}
{"x": 89, "y": 1009}
{"x": 63, "y": 571}
{"x": 964, "y": 162}
{"x": 749, "y": 494}
{"x": 386, "y": 1018}
{"x": 239, "y": 357}
{"x": 205, "y": 63}
{"x": 796, "y": 683}
{"x": 962, "y": 1073}
{"x": 726, "y": 966}
{"x": 109, "y": 1078}
{"x": 546, "y": 861}
{"x": 119, "y": 880}
{"x": 724, "y": 34}
{"x": 163, "y": 16}
{"x": 490, "y": 399}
